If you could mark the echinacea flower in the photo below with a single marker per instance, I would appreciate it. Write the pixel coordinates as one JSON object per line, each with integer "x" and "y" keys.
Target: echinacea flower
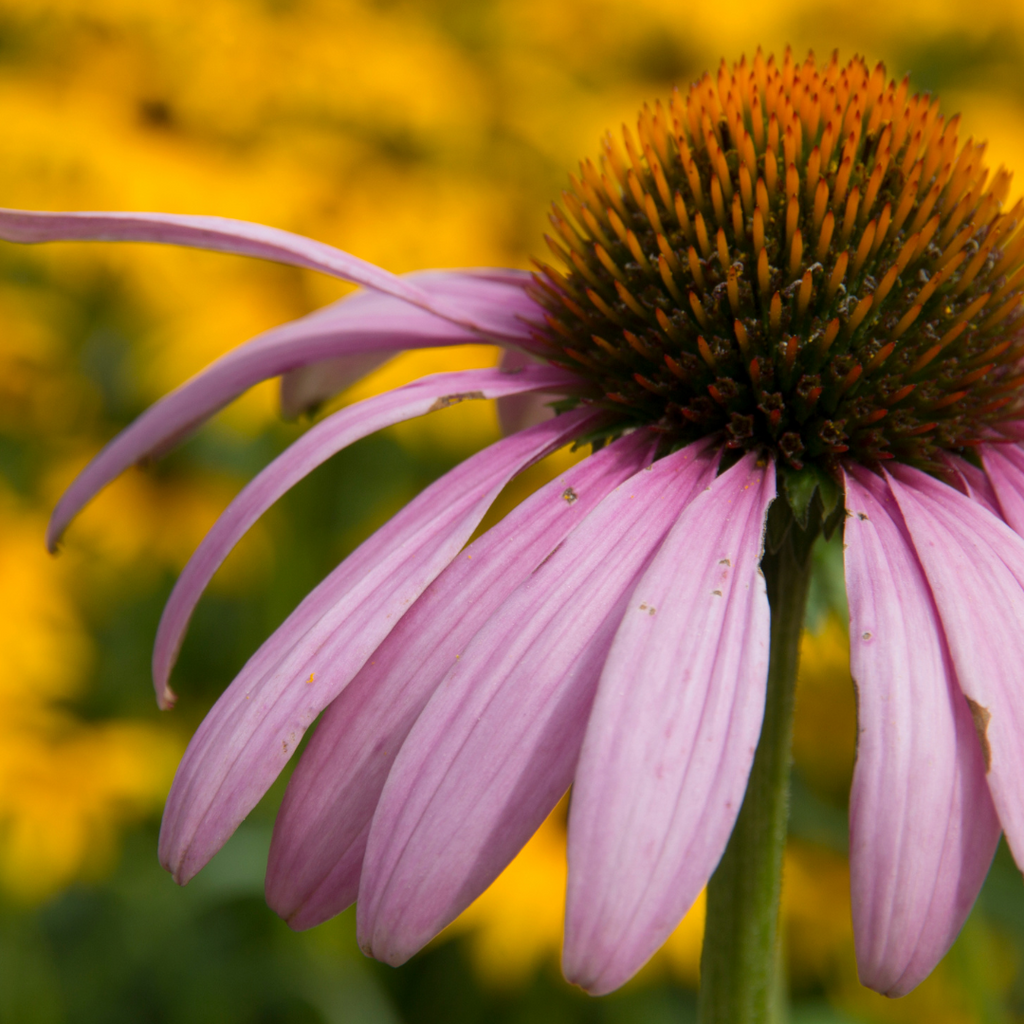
{"x": 792, "y": 284}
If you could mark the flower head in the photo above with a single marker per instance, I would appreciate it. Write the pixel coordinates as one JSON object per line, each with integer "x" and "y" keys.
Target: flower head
{"x": 791, "y": 271}
{"x": 802, "y": 259}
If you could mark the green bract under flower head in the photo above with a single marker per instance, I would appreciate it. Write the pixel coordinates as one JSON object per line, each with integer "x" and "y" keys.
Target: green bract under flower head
{"x": 801, "y": 258}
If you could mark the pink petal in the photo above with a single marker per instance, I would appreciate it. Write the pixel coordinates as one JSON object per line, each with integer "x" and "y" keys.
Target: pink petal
{"x": 253, "y": 729}
{"x": 321, "y": 829}
{"x": 516, "y": 412}
{"x": 306, "y": 387}
{"x": 923, "y": 829}
{"x": 973, "y": 482}
{"x": 496, "y": 297}
{"x": 366, "y": 322}
{"x": 1004, "y": 467}
{"x": 220, "y": 234}
{"x": 497, "y": 744}
{"x": 1012, "y": 428}
{"x": 492, "y": 300}
{"x": 974, "y": 564}
{"x": 672, "y": 735}
{"x": 316, "y": 446}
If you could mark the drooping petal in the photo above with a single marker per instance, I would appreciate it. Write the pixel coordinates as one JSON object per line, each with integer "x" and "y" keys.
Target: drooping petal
{"x": 1004, "y": 467}
{"x": 219, "y": 234}
{"x": 492, "y": 300}
{"x": 496, "y": 746}
{"x": 495, "y": 297}
{"x": 253, "y": 729}
{"x": 363, "y": 323}
{"x": 321, "y": 829}
{"x": 974, "y": 564}
{"x": 923, "y": 829}
{"x": 672, "y": 735}
{"x": 317, "y": 445}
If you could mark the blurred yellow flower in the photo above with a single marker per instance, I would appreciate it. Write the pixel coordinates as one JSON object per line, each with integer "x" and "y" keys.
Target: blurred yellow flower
{"x": 66, "y": 787}
{"x": 825, "y": 727}
{"x": 66, "y": 794}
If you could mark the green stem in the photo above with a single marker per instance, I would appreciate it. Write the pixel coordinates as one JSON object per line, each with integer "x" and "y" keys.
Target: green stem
{"x": 741, "y": 977}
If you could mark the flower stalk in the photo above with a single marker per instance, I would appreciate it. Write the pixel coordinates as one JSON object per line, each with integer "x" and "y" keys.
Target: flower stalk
{"x": 741, "y": 975}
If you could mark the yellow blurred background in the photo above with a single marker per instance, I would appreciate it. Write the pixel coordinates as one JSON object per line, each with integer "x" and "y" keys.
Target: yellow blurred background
{"x": 414, "y": 134}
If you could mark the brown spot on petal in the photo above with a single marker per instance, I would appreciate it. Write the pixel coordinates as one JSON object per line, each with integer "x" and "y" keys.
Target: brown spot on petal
{"x": 724, "y": 561}
{"x": 982, "y": 716}
{"x": 569, "y": 495}
{"x": 862, "y": 516}
{"x": 462, "y": 396}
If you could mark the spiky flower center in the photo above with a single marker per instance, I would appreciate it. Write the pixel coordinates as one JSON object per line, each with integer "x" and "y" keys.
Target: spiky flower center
{"x": 799, "y": 258}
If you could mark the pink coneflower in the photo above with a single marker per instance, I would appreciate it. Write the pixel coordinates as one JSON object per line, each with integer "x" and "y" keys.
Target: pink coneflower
{"x": 793, "y": 283}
